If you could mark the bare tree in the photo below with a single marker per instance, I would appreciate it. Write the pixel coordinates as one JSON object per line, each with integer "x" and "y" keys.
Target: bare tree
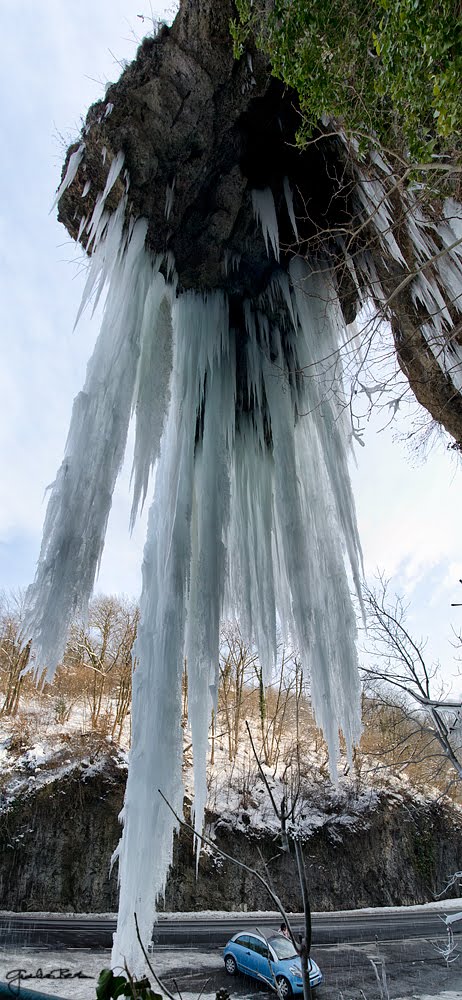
{"x": 274, "y": 702}
{"x": 285, "y": 811}
{"x": 302, "y": 944}
{"x": 395, "y": 662}
{"x": 14, "y": 656}
{"x": 104, "y": 647}
{"x": 236, "y": 659}
{"x": 126, "y": 664}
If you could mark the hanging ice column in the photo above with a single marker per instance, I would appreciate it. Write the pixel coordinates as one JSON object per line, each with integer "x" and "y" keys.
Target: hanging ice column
{"x": 251, "y": 512}
{"x": 251, "y": 517}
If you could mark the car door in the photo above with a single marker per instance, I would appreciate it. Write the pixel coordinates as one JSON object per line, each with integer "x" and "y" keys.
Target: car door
{"x": 262, "y": 965}
{"x": 258, "y": 959}
{"x": 242, "y": 953}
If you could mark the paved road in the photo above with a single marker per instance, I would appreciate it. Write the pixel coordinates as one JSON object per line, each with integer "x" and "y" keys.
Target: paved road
{"x": 56, "y": 931}
{"x": 355, "y": 971}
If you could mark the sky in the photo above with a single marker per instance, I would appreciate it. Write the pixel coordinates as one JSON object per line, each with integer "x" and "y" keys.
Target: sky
{"x": 56, "y": 60}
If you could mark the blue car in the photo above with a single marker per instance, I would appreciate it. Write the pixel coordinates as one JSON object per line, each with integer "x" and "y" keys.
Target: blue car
{"x": 271, "y": 960}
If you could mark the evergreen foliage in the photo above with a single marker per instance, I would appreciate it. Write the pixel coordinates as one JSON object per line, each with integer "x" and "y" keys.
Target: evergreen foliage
{"x": 385, "y": 68}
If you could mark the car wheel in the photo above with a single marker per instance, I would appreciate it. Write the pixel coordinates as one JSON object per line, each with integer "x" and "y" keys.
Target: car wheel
{"x": 284, "y": 987}
{"x": 230, "y": 965}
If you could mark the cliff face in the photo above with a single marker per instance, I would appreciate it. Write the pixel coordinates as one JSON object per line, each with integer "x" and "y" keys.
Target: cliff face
{"x": 199, "y": 131}
{"x": 56, "y": 843}
{"x": 398, "y": 854}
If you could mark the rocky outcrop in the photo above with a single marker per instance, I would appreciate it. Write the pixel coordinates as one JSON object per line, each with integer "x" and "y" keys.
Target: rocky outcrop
{"x": 56, "y": 841}
{"x": 56, "y": 844}
{"x": 397, "y": 855}
{"x": 199, "y": 131}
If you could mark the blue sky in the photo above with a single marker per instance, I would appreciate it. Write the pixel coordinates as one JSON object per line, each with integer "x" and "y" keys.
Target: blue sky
{"x": 56, "y": 59}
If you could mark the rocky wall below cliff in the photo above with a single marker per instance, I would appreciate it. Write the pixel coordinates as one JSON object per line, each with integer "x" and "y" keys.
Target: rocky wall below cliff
{"x": 58, "y": 834}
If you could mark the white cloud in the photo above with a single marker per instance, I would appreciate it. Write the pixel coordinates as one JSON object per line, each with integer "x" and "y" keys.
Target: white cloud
{"x": 407, "y": 512}
{"x": 55, "y": 61}
{"x": 409, "y": 522}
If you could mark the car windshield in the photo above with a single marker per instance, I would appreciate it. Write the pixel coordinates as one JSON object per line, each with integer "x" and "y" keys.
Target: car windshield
{"x": 282, "y": 947}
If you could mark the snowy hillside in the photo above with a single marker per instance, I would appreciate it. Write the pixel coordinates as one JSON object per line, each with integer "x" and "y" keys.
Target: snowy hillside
{"x": 382, "y": 842}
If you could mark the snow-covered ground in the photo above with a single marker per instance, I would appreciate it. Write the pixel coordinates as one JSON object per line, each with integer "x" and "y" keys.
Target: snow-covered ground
{"x": 60, "y": 974}
{"x": 449, "y": 906}
{"x": 72, "y": 973}
{"x": 446, "y": 995}
{"x": 35, "y": 750}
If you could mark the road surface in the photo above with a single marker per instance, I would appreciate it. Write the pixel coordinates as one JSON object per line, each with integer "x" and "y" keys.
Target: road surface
{"x": 362, "y": 954}
{"x": 95, "y": 931}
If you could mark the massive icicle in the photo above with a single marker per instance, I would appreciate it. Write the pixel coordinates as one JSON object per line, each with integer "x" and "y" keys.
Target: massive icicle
{"x": 251, "y": 512}
{"x": 81, "y": 495}
{"x": 252, "y": 508}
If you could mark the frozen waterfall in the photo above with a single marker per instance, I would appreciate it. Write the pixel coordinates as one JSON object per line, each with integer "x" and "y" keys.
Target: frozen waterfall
{"x": 231, "y": 260}
{"x": 251, "y": 518}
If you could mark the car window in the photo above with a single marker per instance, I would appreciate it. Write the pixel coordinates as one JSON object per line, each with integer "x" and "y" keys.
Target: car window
{"x": 282, "y": 947}
{"x": 254, "y": 943}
